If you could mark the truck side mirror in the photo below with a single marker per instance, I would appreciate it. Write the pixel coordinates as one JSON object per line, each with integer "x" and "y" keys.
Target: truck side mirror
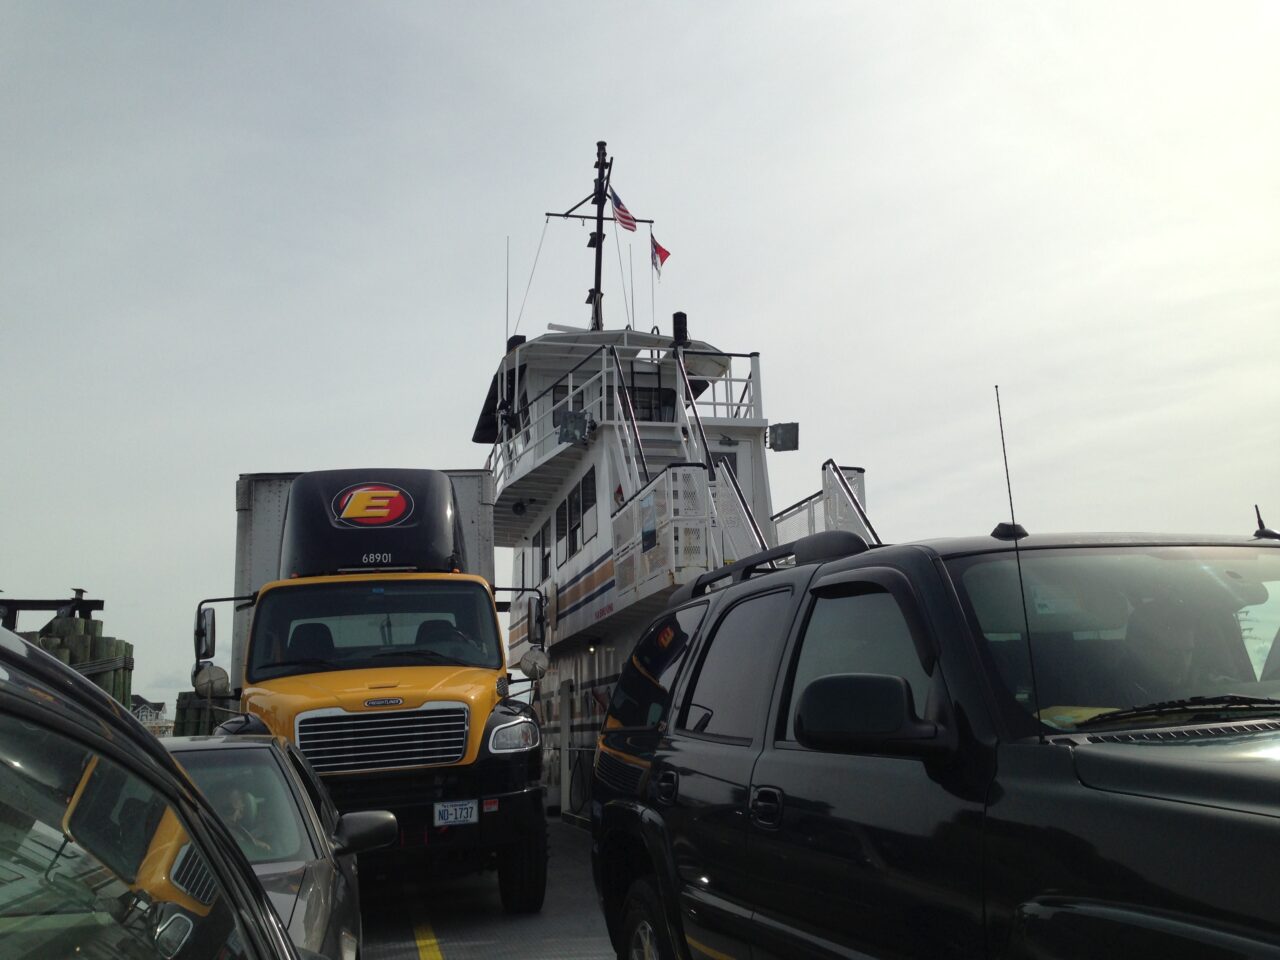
{"x": 865, "y": 713}
{"x": 537, "y": 621}
{"x": 204, "y": 633}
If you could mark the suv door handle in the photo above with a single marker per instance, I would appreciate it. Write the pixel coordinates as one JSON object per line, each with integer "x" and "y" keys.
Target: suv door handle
{"x": 766, "y": 806}
{"x": 668, "y": 785}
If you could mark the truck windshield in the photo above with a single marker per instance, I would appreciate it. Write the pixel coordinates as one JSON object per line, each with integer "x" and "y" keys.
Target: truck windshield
{"x": 322, "y": 627}
{"x": 1118, "y": 628}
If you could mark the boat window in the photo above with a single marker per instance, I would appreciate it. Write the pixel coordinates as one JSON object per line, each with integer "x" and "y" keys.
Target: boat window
{"x": 589, "y": 522}
{"x": 576, "y": 521}
{"x": 562, "y": 531}
{"x": 655, "y": 404}
{"x": 559, "y": 394}
{"x": 540, "y": 565}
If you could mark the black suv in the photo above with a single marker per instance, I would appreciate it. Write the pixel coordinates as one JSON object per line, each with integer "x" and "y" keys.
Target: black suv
{"x": 988, "y": 747}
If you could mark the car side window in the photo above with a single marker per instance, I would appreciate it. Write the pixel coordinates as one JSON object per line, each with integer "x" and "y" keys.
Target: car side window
{"x": 864, "y": 632}
{"x": 94, "y": 861}
{"x": 644, "y": 686}
{"x": 731, "y": 690}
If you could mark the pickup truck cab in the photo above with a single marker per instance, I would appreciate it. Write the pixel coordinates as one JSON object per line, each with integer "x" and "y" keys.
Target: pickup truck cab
{"x": 1055, "y": 746}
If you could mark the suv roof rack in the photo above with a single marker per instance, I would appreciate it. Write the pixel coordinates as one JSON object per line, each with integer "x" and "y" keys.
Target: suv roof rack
{"x": 815, "y": 548}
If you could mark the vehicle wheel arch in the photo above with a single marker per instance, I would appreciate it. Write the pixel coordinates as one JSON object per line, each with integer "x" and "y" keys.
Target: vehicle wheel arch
{"x": 633, "y": 844}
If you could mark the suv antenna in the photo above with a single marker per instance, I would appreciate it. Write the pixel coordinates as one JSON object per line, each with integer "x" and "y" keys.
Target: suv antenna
{"x": 1012, "y": 531}
{"x": 1263, "y": 532}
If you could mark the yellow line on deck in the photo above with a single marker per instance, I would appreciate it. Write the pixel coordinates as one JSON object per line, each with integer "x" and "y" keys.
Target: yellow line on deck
{"x": 428, "y": 949}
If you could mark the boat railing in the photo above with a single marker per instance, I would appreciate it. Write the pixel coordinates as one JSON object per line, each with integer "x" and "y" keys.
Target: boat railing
{"x": 665, "y": 533}
{"x": 843, "y": 505}
{"x": 837, "y": 506}
{"x": 696, "y": 445}
{"x": 730, "y": 393}
{"x": 800, "y": 519}
{"x": 632, "y": 438}
{"x": 597, "y": 388}
{"x": 739, "y": 532}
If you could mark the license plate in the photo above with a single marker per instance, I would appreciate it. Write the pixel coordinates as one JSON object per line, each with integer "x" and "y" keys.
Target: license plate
{"x": 451, "y": 812}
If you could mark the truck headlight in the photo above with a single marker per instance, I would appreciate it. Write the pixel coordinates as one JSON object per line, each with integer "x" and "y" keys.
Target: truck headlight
{"x": 514, "y": 737}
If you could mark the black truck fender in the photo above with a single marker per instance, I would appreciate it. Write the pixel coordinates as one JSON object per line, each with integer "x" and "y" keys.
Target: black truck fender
{"x": 624, "y": 829}
{"x": 1053, "y": 927}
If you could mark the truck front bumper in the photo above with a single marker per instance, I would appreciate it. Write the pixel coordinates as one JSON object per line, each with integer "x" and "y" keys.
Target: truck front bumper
{"x": 507, "y": 791}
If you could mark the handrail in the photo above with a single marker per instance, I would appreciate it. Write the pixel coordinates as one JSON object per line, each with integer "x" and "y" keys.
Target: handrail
{"x": 667, "y": 468}
{"x": 799, "y": 503}
{"x": 631, "y": 413}
{"x": 831, "y": 465}
{"x": 744, "y": 507}
{"x": 697, "y": 417}
{"x": 718, "y": 353}
{"x": 746, "y": 388}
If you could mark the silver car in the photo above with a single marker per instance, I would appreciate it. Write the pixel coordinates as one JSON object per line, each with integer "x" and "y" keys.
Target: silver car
{"x": 302, "y": 850}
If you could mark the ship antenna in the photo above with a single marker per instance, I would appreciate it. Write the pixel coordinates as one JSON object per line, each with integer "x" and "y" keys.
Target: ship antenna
{"x": 1012, "y": 531}
{"x": 506, "y": 329}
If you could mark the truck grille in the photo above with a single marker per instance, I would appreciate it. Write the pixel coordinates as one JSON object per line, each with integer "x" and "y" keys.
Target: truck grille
{"x": 191, "y": 875}
{"x": 343, "y": 742}
{"x": 618, "y": 774}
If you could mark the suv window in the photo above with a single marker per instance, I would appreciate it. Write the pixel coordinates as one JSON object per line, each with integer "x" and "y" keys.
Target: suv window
{"x": 731, "y": 689}
{"x": 95, "y": 862}
{"x": 859, "y": 633}
{"x": 640, "y": 698}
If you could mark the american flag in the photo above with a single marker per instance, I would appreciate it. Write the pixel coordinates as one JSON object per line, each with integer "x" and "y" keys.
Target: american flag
{"x": 620, "y": 212}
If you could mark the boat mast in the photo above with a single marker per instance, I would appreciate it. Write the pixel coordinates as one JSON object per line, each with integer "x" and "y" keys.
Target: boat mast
{"x": 598, "y": 196}
{"x": 603, "y": 168}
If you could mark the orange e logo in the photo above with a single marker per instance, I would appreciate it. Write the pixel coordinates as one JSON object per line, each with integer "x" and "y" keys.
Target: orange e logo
{"x": 372, "y": 505}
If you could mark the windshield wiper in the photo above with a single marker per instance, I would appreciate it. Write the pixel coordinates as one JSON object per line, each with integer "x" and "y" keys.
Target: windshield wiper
{"x": 433, "y": 655}
{"x": 301, "y": 662}
{"x": 1186, "y": 705}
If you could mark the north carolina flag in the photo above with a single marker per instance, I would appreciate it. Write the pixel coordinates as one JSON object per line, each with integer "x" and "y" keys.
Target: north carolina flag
{"x": 620, "y": 212}
{"x": 660, "y": 254}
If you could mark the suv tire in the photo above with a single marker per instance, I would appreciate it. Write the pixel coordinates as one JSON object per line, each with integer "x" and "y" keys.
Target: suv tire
{"x": 644, "y": 932}
{"x": 522, "y": 872}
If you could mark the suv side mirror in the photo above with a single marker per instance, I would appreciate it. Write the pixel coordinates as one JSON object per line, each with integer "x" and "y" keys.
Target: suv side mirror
{"x": 865, "y": 713}
{"x": 204, "y": 635}
{"x": 363, "y": 830}
{"x": 537, "y": 621}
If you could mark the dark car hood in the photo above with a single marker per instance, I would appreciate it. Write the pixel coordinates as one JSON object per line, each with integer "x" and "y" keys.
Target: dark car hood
{"x": 1232, "y": 771}
{"x": 282, "y": 881}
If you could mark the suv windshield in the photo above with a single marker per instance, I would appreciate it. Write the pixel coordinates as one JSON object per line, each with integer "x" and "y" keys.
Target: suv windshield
{"x": 1118, "y": 628}
{"x": 341, "y": 626}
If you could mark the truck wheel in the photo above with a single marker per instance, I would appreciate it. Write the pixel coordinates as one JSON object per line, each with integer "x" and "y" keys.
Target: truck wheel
{"x": 644, "y": 932}
{"x": 522, "y": 872}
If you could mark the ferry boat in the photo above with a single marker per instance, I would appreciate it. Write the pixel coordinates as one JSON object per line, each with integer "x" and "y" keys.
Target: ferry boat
{"x": 626, "y": 463}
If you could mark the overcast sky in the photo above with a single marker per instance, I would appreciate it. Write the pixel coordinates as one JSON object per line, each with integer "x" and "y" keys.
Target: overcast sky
{"x": 240, "y": 237}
